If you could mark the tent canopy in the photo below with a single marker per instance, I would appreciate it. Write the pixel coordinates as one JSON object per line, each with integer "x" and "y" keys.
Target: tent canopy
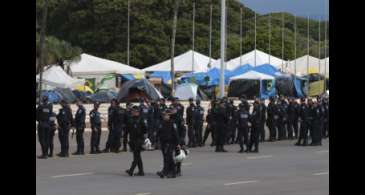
{"x": 186, "y": 91}
{"x": 91, "y": 65}
{"x": 164, "y": 75}
{"x": 55, "y": 76}
{"x": 267, "y": 69}
{"x": 249, "y": 58}
{"x": 301, "y": 65}
{"x": 134, "y": 89}
{"x": 183, "y": 63}
{"x": 252, "y": 75}
{"x": 241, "y": 70}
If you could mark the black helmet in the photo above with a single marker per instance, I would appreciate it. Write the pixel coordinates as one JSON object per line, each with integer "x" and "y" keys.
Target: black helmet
{"x": 191, "y": 99}
{"x": 197, "y": 101}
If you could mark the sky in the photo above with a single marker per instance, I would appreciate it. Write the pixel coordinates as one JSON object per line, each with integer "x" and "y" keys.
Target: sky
{"x": 313, "y": 8}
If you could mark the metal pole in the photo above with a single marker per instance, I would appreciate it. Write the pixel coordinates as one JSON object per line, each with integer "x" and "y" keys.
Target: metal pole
{"x": 128, "y": 42}
{"x": 255, "y": 39}
{"x": 308, "y": 45}
{"x": 41, "y": 61}
{"x": 173, "y": 47}
{"x": 241, "y": 38}
{"x": 210, "y": 34}
{"x": 192, "y": 56}
{"x": 319, "y": 45}
{"x": 282, "y": 43}
{"x": 223, "y": 33}
{"x": 269, "y": 37}
{"x": 325, "y": 46}
{"x": 295, "y": 45}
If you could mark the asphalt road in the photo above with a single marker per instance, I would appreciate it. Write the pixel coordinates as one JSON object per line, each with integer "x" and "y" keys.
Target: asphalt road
{"x": 279, "y": 169}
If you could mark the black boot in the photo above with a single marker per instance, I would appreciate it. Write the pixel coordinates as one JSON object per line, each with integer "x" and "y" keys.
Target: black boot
{"x": 129, "y": 172}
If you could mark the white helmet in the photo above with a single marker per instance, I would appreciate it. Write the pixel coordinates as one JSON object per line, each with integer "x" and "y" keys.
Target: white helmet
{"x": 147, "y": 144}
{"x": 180, "y": 157}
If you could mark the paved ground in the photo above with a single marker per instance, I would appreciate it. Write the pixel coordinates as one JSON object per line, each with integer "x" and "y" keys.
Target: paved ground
{"x": 279, "y": 169}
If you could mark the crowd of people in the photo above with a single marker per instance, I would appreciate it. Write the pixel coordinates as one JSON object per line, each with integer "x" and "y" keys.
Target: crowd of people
{"x": 165, "y": 127}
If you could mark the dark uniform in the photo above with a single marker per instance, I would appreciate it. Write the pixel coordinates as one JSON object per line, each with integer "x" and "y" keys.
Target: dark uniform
{"x": 326, "y": 120}
{"x": 316, "y": 125}
{"x": 156, "y": 120}
{"x": 53, "y": 129}
{"x": 210, "y": 129}
{"x": 118, "y": 122}
{"x": 169, "y": 139}
{"x": 178, "y": 118}
{"x": 282, "y": 121}
{"x": 305, "y": 122}
{"x": 272, "y": 119}
{"x": 263, "y": 110}
{"x": 80, "y": 127}
{"x": 231, "y": 134}
{"x": 190, "y": 122}
{"x": 65, "y": 121}
{"x": 95, "y": 121}
{"x": 137, "y": 128}
{"x": 198, "y": 120}
{"x": 110, "y": 128}
{"x": 242, "y": 117}
{"x": 221, "y": 118}
{"x": 43, "y": 115}
{"x": 255, "y": 128}
{"x": 125, "y": 132}
{"x": 292, "y": 119}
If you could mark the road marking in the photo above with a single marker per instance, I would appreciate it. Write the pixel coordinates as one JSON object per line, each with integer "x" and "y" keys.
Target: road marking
{"x": 70, "y": 175}
{"x": 186, "y": 164}
{"x": 321, "y": 173}
{"x": 241, "y": 182}
{"x": 322, "y": 151}
{"x": 259, "y": 157}
{"x": 146, "y": 193}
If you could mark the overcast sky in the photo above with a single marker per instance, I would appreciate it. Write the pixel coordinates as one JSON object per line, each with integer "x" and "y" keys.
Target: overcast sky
{"x": 313, "y": 8}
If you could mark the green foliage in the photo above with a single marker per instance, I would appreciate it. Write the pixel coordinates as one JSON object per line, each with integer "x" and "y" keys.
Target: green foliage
{"x": 99, "y": 27}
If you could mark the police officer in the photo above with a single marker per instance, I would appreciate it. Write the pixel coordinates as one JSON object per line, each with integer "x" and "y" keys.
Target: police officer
{"x": 43, "y": 114}
{"x": 296, "y": 119}
{"x": 271, "y": 119}
{"x": 65, "y": 122}
{"x": 190, "y": 122}
{"x": 137, "y": 128}
{"x": 231, "y": 109}
{"x": 125, "y": 132}
{"x": 80, "y": 126}
{"x": 244, "y": 102}
{"x": 118, "y": 122}
{"x": 169, "y": 139}
{"x": 292, "y": 115}
{"x": 95, "y": 121}
{"x": 316, "y": 124}
{"x": 179, "y": 119}
{"x": 242, "y": 118}
{"x": 210, "y": 125}
{"x": 156, "y": 120}
{"x": 282, "y": 113}
{"x": 53, "y": 128}
{"x": 144, "y": 110}
{"x": 110, "y": 128}
{"x": 221, "y": 118}
{"x": 326, "y": 119}
{"x": 255, "y": 127}
{"x": 198, "y": 123}
{"x": 263, "y": 110}
{"x": 304, "y": 118}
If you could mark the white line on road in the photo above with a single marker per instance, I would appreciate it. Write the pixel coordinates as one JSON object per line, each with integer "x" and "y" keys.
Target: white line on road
{"x": 70, "y": 175}
{"x": 186, "y": 164}
{"x": 321, "y": 173}
{"x": 241, "y": 182}
{"x": 322, "y": 151}
{"x": 146, "y": 193}
{"x": 259, "y": 157}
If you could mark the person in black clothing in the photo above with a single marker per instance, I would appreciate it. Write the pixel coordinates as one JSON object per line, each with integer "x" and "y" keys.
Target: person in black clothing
{"x": 326, "y": 118}
{"x": 304, "y": 118}
{"x": 198, "y": 119}
{"x": 137, "y": 128}
{"x": 118, "y": 122}
{"x": 210, "y": 129}
{"x": 43, "y": 114}
{"x": 80, "y": 127}
{"x": 156, "y": 120}
{"x": 125, "y": 132}
{"x": 316, "y": 124}
{"x": 292, "y": 115}
{"x": 190, "y": 122}
{"x": 296, "y": 119}
{"x": 282, "y": 121}
{"x": 179, "y": 119}
{"x": 65, "y": 122}
{"x": 110, "y": 128}
{"x": 272, "y": 116}
{"x": 221, "y": 118}
{"x": 169, "y": 139}
{"x": 231, "y": 135}
{"x": 255, "y": 129}
{"x": 263, "y": 110}
{"x": 95, "y": 121}
{"x": 53, "y": 128}
{"x": 242, "y": 117}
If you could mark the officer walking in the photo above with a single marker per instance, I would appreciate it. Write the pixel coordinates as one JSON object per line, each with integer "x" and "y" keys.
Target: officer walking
{"x": 80, "y": 127}
{"x": 43, "y": 114}
{"x": 65, "y": 122}
{"x": 95, "y": 121}
{"x": 255, "y": 129}
{"x": 190, "y": 122}
{"x": 137, "y": 128}
{"x": 169, "y": 139}
{"x": 242, "y": 118}
{"x": 221, "y": 118}
{"x": 198, "y": 123}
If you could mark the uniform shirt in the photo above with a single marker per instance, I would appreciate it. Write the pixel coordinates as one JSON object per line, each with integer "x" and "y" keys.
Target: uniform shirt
{"x": 43, "y": 112}
{"x": 136, "y": 128}
{"x": 190, "y": 113}
{"x": 118, "y": 119}
{"x": 263, "y": 112}
{"x": 110, "y": 116}
{"x": 242, "y": 117}
{"x": 256, "y": 114}
{"x": 95, "y": 117}
{"x": 167, "y": 132}
{"x": 271, "y": 111}
{"x": 80, "y": 116}
{"x": 144, "y": 110}
{"x": 305, "y": 114}
{"x": 245, "y": 104}
{"x": 198, "y": 114}
{"x": 64, "y": 117}
{"x": 292, "y": 111}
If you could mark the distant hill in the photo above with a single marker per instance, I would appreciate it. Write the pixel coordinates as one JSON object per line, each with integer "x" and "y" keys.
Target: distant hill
{"x": 99, "y": 27}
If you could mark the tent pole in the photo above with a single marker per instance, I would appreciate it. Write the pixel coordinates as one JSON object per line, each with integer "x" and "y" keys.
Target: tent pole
{"x": 255, "y": 39}
{"x": 223, "y": 33}
{"x": 319, "y": 44}
{"x": 325, "y": 44}
{"x": 193, "y": 63}
{"x": 282, "y": 43}
{"x": 269, "y": 37}
{"x": 173, "y": 47}
{"x": 308, "y": 45}
{"x": 295, "y": 45}
{"x": 128, "y": 38}
{"x": 241, "y": 38}
{"x": 210, "y": 34}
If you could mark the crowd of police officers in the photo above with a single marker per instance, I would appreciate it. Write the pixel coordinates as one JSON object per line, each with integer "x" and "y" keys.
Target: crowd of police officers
{"x": 166, "y": 127}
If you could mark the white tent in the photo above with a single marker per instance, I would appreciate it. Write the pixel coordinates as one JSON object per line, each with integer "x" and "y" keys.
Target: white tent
{"x": 54, "y": 76}
{"x": 249, "y": 58}
{"x": 301, "y": 64}
{"x": 186, "y": 91}
{"x": 325, "y": 61}
{"x": 252, "y": 75}
{"x": 91, "y": 65}
{"x": 183, "y": 63}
